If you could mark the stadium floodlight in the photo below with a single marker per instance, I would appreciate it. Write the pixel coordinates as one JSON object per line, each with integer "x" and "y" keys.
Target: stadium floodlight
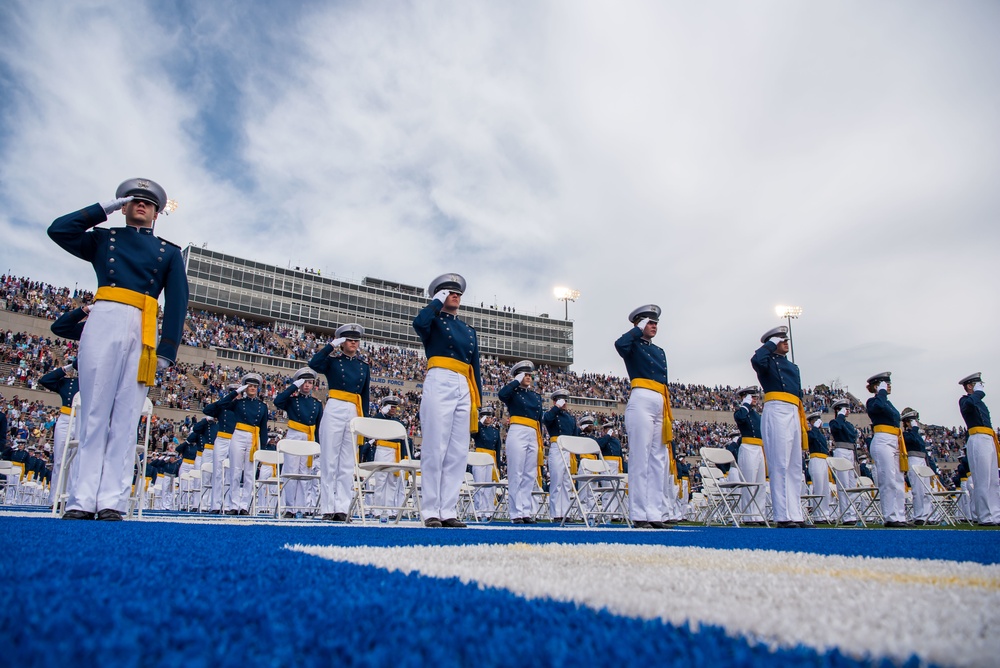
{"x": 566, "y": 295}
{"x": 170, "y": 207}
{"x": 789, "y": 312}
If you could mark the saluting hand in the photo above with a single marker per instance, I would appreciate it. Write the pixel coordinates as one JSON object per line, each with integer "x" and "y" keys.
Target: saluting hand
{"x": 519, "y": 378}
{"x": 336, "y": 343}
{"x": 113, "y": 205}
{"x": 560, "y": 402}
{"x": 299, "y": 383}
{"x": 442, "y": 295}
{"x": 162, "y": 363}
{"x": 642, "y": 324}
{"x": 882, "y": 386}
{"x": 241, "y": 389}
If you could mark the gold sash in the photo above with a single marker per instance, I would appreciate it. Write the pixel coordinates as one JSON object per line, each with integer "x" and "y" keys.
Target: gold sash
{"x": 904, "y": 462}
{"x": 463, "y": 369}
{"x": 310, "y": 431}
{"x": 528, "y": 422}
{"x": 395, "y": 446}
{"x": 668, "y": 416}
{"x": 255, "y": 432}
{"x": 496, "y": 476}
{"x": 351, "y": 398}
{"x": 750, "y": 440}
{"x": 792, "y": 399}
{"x": 147, "y": 304}
{"x": 65, "y": 410}
{"x": 993, "y": 434}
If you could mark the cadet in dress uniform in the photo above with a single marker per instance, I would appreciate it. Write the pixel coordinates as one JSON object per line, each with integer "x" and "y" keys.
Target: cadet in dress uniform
{"x": 389, "y": 487}
{"x": 304, "y": 415}
{"x": 188, "y": 451}
{"x": 248, "y": 435}
{"x": 349, "y": 378}
{"x": 119, "y": 354}
{"x": 648, "y": 419}
{"x": 819, "y": 452}
{"x": 963, "y": 482}
{"x": 611, "y": 449}
{"x": 916, "y": 452}
{"x": 66, "y": 386}
{"x": 487, "y": 440}
{"x": 782, "y": 426}
{"x": 750, "y": 455}
{"x": 983, "y": 451}
{"x": 845, "y": 438}
{"x": 558, "y": 422}
{"x": 449, "y": 405}
{"x": 888, "y": 450}
{"x": 524, "y": 442}
{"x": 222, "y": 413}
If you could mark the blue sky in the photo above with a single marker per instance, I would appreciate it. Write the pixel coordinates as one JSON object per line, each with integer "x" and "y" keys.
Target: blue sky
{"x": 715, "y": 158}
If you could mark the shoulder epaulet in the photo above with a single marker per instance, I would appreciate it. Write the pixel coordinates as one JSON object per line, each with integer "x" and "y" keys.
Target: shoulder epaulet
{"x": 169, "y": 242}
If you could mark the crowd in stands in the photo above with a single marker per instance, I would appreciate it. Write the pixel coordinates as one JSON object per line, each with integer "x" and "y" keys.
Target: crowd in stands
{"x": 24, "y": 358}
{"x": 41, "y": 300}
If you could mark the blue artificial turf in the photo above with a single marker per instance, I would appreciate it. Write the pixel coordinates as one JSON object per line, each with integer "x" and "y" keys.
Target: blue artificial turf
{"x": 165, "y": 594}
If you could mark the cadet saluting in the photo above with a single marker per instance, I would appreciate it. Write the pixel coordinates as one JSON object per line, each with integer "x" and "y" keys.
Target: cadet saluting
{"x": 119, "y": 354}
{"x": 982, "y": 451}
{"x": 888, "y": 450}
{"x": 449, "y": 406}
{"x": 304, "y": 414}
{"x": 524, "y": 440}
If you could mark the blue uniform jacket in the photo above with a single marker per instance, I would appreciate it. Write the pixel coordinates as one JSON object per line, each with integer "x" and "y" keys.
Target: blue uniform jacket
{"x": 643, "y": 359}
{"x": 205, "y": 432}
{"x": 445, "y": 335}
{"x": 56, "y": 381}
{"x": 223, "y": 413}
{"x": 189, "y": 448}
{"x": 69, "y": 325}
{"x": 817, "y": 442}
{"x": 843, "y": 431}
{"x": 776, "y": 373}
{"x": 301, "y": 408}
{"x": 881, "y": 411}
{"x": 521, "y": 402}
{"x": 610, "y": 446}
{"x": 347, "y": 374}
{"x": 914, "y": 441}
{"x": 131, "y": 258}
{"x": 748, "y": 422}
{"x": 974, "y": 411}
{"x": 559, "y": 422}
{"x": 488, "y": 438}
{"x": 247, "y": 411}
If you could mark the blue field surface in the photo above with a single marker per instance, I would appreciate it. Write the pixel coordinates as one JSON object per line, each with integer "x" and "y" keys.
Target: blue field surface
{"x": 172, "y": 593}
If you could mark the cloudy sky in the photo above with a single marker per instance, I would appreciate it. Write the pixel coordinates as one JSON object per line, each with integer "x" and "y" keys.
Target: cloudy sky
{"x": 715, "y": 158}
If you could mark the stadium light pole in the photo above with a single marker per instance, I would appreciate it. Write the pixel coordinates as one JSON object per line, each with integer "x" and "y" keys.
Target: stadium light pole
{"x": 566, "y": 295}
{"x": 789, "y": 312}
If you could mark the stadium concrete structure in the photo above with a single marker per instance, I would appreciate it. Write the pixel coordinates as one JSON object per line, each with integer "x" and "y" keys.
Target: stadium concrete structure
{"x": 298, "y": 299}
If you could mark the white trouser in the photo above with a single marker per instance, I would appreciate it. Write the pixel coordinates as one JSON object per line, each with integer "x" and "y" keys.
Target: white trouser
{"x": 445, "y": 411}
{"x": 265, "y": 492}
{"x": 751, "y": 461}
{"x": 891, "y": 489}
{"x": 850, "y": 479}
{"x": 293, "y": 492}
{"x": 241, "y": 470}
{"x": 922, "y": 504}
{"x": 782, "y": 434}
{"x": 313, "y": 486}
{"x": 522, "y": 469}
{"x": 486, "y": 499}
{"x": 820, "y": 474}
{"x": 965, "y": 500}
{"x": 220, "y": 453}
{"x": 647, "y": 460}
{"x": 982, "y": 454}
{"x": 208, "y": 457}
{"x": 339, "y": 454}
{"x": 560, "y": 482}
{"x": 167, "y": 495}
{"x": 111, "y": 400}
{"x": 389, "y": 489}
{"x": 59, "y": 432}
{"x": 185, "y": 484}
{"x": 609, "y": 500}
{"x": 673, "y": 509}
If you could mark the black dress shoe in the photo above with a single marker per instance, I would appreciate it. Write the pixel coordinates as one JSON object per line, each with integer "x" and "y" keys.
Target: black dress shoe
{"x": 453, "y": 523}
{"x": 329, "y": 517}
{"x": 244, "y": 512}
{"x": 517, "y": 520}
{"x": 895, "y": 525}
{"x": 340, "y": 517}
{"x": 433, "y": 523}
{"x": 660, "y": 525}
{"x": 787, "y": 525}
{"x": 641, "y": 524}
{"x": 232, "y": 512}
{"x": 806, "y": 525}
{"x": 109, "y": 515}
{"x": 919, "y": 523}
{"x": 557, "y": 520}
{"x": 528, "y": 520}
{"x": 215, "y": 512}
{"x": 288, "y": 515}
{"x": 77, "y": 515}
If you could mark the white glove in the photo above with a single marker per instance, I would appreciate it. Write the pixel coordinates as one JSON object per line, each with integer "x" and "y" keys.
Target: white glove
{"x": 67, "y": 368}
{"x": 818, "y": 422}
{"x": 642, "y": 324}
{"x": 111, "y": 206}
{"x": 882, "y": 386}
{"x": 209, "y": 418}
{"x": 842, "y": 411}
{"x": 241, "y": 389}
{"x": 299, "y": 383}
{"x": 385, "y": 409}
{"x": 336, "y": 343}
{"x": 914, "y": 423}
{"x": 979, "y": 387}
{"x": 775, "y": 340}
{"x": 611, "y": 432}
{"x": 519, "y": 378}
{"x": 747, "y": 399}
{"x": 442, "y": 295}
{"x": 560, "y": 402}
{"x": 162, "y": 363}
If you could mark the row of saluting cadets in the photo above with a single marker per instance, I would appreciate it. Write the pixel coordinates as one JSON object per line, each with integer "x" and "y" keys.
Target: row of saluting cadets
{"x": 119, "y": 355}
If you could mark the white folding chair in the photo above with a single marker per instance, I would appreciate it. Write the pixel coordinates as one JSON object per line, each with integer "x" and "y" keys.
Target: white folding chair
{"x": 731, "y": 493}
{"x": 263, "y": 458}
{"x": 138, "y": 496}
{"x": 291, "y": 447}
{"x": 7, "y": 472}
{"x": 206, "y": 484}
{"x": 862, "y": 497}
{"x": 69, "y": 451}
{"x": 945, "y": 503}
{"x": 495, "y": 490}
{"x": 611, "y": 483}
{"x": 385, "y": 430}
